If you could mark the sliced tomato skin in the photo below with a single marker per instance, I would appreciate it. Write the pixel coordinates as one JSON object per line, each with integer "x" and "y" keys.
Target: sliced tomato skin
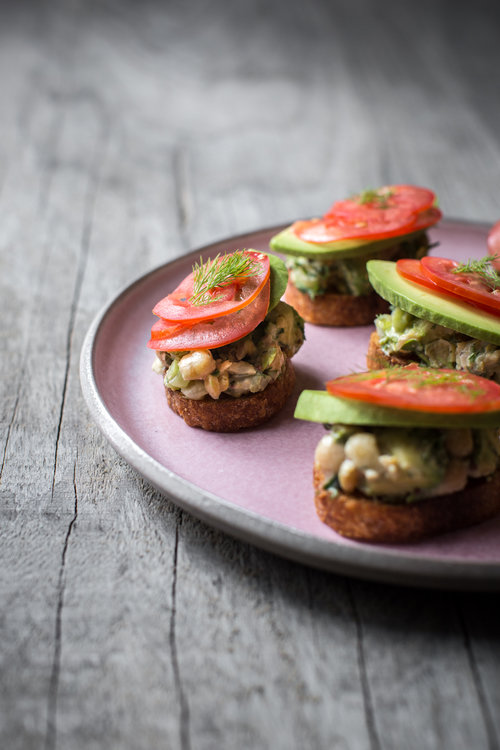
{"x": 211, "y": 334}
{"x": 406, "y": 209}
{"x": 175, "y": 307}
{"x": 414, "y": 388}
{"x": 329, "y": 230}
{"x": 166, "y": 329}
{"x": 493, "y": 243}
{"x": 398, "y": 198}
{"x": 412, "y": 270}
{"x": 467, "y": 286}
{"x": 427, "y": 219}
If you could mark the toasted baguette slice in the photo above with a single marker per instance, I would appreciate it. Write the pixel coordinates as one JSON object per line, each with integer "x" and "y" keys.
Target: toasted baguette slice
{"x": 228, "y": 414}
{"x": 376, "y": 359}
{"x": 355, "y": 517}
{"x": 336, "y": 309}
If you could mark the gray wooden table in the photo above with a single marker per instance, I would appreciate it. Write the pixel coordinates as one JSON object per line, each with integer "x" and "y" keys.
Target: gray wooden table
{"x": 131, "y": 132}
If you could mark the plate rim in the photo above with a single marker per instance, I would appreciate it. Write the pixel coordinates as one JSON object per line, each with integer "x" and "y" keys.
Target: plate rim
{"x": 368, "y": 562}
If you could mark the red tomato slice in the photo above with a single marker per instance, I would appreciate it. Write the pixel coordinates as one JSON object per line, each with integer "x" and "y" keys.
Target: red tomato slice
{"x": 412, "y": 270}
{"x": 391, "y": 198}
{"x": 427, "y": 219}
{"x": 469, "y": 287}
{"x": 165, "y": 329}
{"x": 400, "y": 209}
{"x": 493, "y": 243}
{"x": 329, "y": 230}
{"x": 211, "y": 334}
{"x": 176, "y": 307}
{"x": 420, "y": 389}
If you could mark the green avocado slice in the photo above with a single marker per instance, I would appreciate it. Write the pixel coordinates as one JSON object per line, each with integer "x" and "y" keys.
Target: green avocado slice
{"x": 279, "y": 280}
{"x": 429, "y": 305}
{"x": 320, "y": 406}
{"x": 288, "y": 243}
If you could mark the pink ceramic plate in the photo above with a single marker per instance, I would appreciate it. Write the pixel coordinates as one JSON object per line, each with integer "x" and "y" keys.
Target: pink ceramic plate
{"x": 257, "y": 484}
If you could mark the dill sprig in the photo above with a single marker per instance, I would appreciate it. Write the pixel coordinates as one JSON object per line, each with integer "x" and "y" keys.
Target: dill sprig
{"x": 379, "y": 197}
{"x": 220, "y": 272}
{"x": 483, "y": 269}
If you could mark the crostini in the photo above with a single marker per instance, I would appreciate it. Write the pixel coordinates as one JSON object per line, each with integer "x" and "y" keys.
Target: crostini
{"x": 224, "y": 340}
{"x": 326, "y": 257}
{"x": 444, "y": 314}
{"x": 409, "y": 452}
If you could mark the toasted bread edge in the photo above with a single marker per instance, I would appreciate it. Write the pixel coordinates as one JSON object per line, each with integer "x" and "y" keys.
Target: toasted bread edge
{"x": 228, "y": 414}
{"x": 336, "y": 309}
{"x": 355, "y": 517}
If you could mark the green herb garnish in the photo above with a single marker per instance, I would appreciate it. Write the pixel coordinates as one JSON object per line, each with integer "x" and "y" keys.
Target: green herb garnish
{"x": 379, "y": 197}
{"x": 218, "y": 273}
{"x": 483, "y": 269}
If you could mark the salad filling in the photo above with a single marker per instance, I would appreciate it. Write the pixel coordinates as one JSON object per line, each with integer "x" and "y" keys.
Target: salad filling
{"x": 404, "y": 335}
{"x": 348, "y": 276}
{"x": 402, "y": 465}
{"x": 245, "y": 366}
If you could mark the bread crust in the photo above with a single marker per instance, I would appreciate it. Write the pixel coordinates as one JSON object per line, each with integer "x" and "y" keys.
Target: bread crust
{"x": 228, "y": 414}
{"x": 376, "y": 359}
{"x": 336, "y": 309}
{"x": 355, "y": 517}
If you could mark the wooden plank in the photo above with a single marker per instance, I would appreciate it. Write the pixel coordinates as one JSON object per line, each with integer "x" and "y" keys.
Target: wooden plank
{"x": 419, "y": 679}
{"x": 479, "y": 617}
{"x": 264, "y": 636}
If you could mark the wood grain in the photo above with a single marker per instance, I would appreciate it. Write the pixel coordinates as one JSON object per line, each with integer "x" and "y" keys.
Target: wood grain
{"x": 131, "y": 132}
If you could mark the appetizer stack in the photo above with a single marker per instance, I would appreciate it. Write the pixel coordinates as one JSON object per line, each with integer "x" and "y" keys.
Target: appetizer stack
{"x": 409, "y": 452}
{"x": 326, "y": 258}
{"x": 224, "y": 340}
{"x": 444, "y": 314}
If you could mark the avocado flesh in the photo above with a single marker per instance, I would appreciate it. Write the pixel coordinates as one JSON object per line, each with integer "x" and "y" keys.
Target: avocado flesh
{"x": 430, "y": 305}
{"x": 288, "y": 243}
{"x": 320, "y": 406}
{"x": 278, "y": 274}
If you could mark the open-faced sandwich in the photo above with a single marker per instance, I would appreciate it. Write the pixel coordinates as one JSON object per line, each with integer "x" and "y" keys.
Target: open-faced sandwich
{"x": 409, "y": 452}
{"x": 326, "y": 257}
{"x": 444, "y": 314}
{"x": 224, "y": 340}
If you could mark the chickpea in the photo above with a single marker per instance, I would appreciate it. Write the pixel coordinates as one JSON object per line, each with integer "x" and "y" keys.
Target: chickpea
{"x": 362, "y": 449}
{"x": 242, "y": 368}
{"x": 348, "y": 475}
{"x": 196, "y": 365}
{"x": 329, "y": 455}
{"x": 213, "y": 386}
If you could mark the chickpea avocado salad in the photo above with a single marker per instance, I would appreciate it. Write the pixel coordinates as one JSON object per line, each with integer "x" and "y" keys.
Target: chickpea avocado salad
{"x": 443, "y": 314}
{"x": 245, "y": 366}
{"x": 224, "y": 340}
{"x": 326, "y": 258}
{"x": 409, "y": 452}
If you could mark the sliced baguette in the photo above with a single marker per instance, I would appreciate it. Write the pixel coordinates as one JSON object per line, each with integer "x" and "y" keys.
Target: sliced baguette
{"x": 228, "y": 414}
{"x": 336, "y": 309}
{"x": 355, "y": 517}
